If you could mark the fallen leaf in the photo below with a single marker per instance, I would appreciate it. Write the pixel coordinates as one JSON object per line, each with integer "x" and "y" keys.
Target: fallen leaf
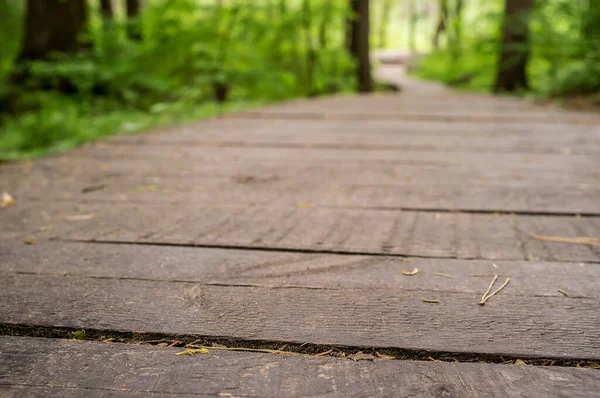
{"x": 520, "y": 362}
{"x": 7, "y": 200}
{"x": 79, "y": 335}
{"x": 80, "y": 217}
{"x": 410, "y": 273}
{"x": 30, "y": 240}
{"x": 494, "y": 265}
{"x": 304, "y": 205}
{"x": 563, "y": 239}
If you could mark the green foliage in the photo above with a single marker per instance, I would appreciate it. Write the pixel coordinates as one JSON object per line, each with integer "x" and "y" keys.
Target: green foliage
{"x": 565, "y": 49}
{"x": 191, "y": 53}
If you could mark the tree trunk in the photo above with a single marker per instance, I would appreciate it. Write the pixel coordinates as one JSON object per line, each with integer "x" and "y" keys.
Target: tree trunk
{"x": 385, "y": 20}
{"x": 442, "y": 21}
{"x": 359, "y": 44}
{"x": 591, "y": 22}
{"x": 412, "y": 25}
{"x": 106, "y": 8}
{"x": 311, "y": 55}
{"x": 53, "y": 26}
{"x": 133, "y": 24}
{"x": 514, "y": 49}
{"x": 457, "y": 24}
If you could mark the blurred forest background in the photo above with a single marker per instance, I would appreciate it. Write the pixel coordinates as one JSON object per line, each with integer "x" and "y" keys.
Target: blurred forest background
{"x": 75, "y": 70}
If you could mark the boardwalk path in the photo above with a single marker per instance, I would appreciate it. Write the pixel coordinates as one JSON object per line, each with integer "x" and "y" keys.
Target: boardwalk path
{"x": 290, "y": 227}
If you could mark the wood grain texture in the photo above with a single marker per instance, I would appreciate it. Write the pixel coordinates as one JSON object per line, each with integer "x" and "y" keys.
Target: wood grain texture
{"x": 73, "y": 368}
{"x": 547, "y": 327}
{"x": 288, "y": 269}
{"x": 418, "y": 234}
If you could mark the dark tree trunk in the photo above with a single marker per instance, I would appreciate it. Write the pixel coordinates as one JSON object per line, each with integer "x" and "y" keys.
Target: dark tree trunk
{"x": 359, "y": 44}
{"x": 53, "y": 26}
{"x": 442, "y": 21}
{"x": 106, "y": 8}
{"x": 591, "y": 22}
{"x": 514, "y": 49}
{"x": 133, "y": 8}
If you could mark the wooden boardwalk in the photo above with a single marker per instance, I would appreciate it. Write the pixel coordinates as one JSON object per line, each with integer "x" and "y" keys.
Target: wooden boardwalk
{"x": 288, "y": 228}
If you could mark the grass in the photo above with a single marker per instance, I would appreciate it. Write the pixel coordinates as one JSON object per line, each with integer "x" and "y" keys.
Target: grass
{"x": 66, "y": 124}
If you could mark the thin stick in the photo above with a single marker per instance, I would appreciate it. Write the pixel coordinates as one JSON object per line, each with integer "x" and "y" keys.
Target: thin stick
{"x": 563, "y": 292}
{"x": 482, "y": 302}
{"x": 496, "y": 291}
{"x": 444, "y": 275}
{"x": 430, "y": 301}
{"x": 563, "y": 239}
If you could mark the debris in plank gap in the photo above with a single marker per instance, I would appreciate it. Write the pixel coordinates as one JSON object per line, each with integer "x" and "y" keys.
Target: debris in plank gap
{"x": 520, "y": 362}
{"x": 7, "y": 200}
{"x": 486, "y": 298}
{"x": 79, "y": 335}
{"x": 442, "y": 275}
{"x": 563, "y": 292}
{"x": 322, "y": 354}
{"x": 410, "y": 273}
{"x": 193, "y": 351}
{"x": 263, "y": 350}
{"x": 588, "y": 365}
{"x": 563, "y": 239}
{"x": 382, "y": 356}
{"x": 431, "y": 301}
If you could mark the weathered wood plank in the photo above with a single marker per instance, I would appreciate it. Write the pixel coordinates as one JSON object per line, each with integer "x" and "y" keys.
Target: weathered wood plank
{"x": 532, "y": 326}
{"x": 288, "y": 269}
{"x": 420, "y": 234}
{"x": 33, "y": 366}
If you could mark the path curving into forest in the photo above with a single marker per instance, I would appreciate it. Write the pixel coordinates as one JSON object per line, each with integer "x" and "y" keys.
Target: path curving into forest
{"x": 358, "y": 231}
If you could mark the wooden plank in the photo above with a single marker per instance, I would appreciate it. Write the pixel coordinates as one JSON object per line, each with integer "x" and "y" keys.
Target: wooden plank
{"x": 367, "y": 186}
{"x": 374, "y": 135}
{"x": 399, "y": 106}
{"x": 513, "y": 325}
{"x": 61, "y": 367}
{"x": 409, "y": 233}
{"x": 289, "y": 269}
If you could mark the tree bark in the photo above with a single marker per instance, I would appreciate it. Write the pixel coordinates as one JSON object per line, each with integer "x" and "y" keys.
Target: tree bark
{"x": 133, "y": 8}
{"x": 359, "y": 44}
{"x": 442, "y": 21}
{"x": 106, "y": 8}
{"x": 514, "y": 48}
{"x": 53, "y": 26}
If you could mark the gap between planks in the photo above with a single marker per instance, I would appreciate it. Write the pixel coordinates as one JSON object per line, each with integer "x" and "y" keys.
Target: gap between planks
{"x": 304, "y": 349}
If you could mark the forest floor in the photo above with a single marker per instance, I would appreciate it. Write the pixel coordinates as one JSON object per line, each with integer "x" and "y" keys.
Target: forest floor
{"x": 336, "y": 246}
